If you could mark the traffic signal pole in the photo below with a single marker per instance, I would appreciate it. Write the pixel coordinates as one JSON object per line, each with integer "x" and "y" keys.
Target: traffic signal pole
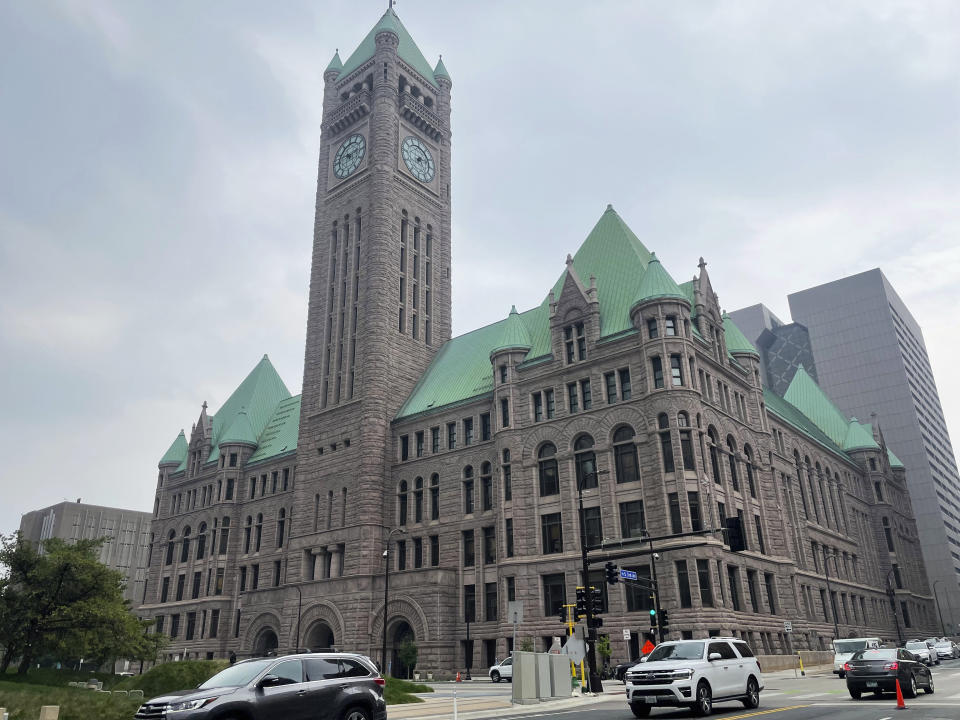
{"x": 595, "y": 685}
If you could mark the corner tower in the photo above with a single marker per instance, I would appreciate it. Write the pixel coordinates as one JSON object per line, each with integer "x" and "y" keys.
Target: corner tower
{"x": 380, "y": 282}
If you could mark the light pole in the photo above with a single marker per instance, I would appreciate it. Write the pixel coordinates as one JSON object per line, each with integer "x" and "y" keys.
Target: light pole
{"x": 833, "y": 603}
{"x": 595, "y": 685}
{"x": 656, "y": 586}
{"x": 386, "y": 596}
{"x": 296, "y": 644}
{"x": 936, "y": 599}
{"x": 893, "y": 605}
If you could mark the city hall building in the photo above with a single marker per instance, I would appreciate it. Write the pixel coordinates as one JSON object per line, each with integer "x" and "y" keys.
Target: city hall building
{"x": 463, "y": 455}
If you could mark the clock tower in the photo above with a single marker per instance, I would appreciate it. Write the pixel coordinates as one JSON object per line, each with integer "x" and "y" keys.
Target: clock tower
{"x": 379, "y": 296}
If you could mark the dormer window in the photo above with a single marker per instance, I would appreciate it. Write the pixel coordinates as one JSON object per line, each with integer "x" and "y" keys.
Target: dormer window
{"x": 575, "y": 342}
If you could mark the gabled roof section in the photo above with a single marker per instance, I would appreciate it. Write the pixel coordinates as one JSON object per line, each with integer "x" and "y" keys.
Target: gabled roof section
{"x": 657, "y": 283}
{"x": 859, "y": 437}
{"x": 280, "y": 435}
{"x": 805, "y": 395}
{"x": 240, "y": 431}
{"x": 177, "y": 452}
{"x": 736, "y": 341}
{"x": 336, "y": 65}
{"x": 407, "y": 49}
{"x": 894, "y": 460}
{"x": 792, "y": 416}
{"x": 514, "y": 335}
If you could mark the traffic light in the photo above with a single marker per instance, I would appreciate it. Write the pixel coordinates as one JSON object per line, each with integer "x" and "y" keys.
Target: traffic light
{"x": 733, "y": 529}
{"x": 581, "y": 602}
{"x": 653, "y": 618}
{"x": 664, "y": 622}
{"x": 613, "y": 573}
{"x": 596, "y": 598}
{"x": 562, "y": 614}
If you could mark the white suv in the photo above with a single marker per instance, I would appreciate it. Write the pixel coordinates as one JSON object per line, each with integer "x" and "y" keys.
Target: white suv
{"x": 503, "y": 669}
{"x": 695, "y": 673}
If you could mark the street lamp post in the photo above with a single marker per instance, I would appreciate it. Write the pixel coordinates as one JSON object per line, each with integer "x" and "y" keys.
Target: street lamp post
{"x": 296, "y": 644}
{"x": 386, "y": 596}
{"x": 893, "y": 605}
{"x": 936, "y": 599}
{"x": 595, "y": 685}
{"x": 656, "y": 586}
{"x": 833, "y": 603}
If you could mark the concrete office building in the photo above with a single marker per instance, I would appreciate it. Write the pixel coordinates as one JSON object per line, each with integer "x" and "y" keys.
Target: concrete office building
{"x": 127, "y": 533}
{"x": 784, "y": 347}
{"x": 871, "y": 358}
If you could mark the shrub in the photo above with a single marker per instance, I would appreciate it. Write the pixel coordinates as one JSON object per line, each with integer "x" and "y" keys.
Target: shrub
{"x": 173, "y": 676}
{"x": 24, "y": 701}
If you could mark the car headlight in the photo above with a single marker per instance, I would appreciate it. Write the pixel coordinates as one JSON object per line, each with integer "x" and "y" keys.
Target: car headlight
{"x": 683, "y": 674}
{"x": 190, "y": 704}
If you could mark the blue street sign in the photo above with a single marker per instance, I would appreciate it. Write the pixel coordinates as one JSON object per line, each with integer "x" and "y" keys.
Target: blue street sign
{"x": 628, "y": 574}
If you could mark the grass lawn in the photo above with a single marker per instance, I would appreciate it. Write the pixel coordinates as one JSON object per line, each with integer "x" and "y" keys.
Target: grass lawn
{"x": 23, "y": 701}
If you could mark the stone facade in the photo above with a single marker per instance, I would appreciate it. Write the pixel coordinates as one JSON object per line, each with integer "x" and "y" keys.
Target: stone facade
{"x": 362, "y": 467}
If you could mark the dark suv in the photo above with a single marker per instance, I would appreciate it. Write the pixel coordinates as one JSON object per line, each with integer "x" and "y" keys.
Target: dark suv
{"x": 316, "y": 686}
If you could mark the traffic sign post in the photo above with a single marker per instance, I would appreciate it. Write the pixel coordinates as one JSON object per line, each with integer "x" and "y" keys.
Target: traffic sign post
{"x": 626, "y": 634}
{"x": 787, "y": 626}
{"x": 515, "y": 614}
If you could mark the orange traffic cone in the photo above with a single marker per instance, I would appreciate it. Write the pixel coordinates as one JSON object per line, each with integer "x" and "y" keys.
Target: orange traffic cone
{"x": 900, "y": 704}
{"x": 898, "y": 687}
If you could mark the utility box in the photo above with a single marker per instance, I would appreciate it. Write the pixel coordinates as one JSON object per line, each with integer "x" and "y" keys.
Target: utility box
{"x": 524, "y": 683}
{"x": 544, "y": 686}
{"x": 560, "y": 684}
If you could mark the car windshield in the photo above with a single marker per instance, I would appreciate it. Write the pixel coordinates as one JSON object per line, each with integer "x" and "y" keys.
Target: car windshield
{"x": 677, "y": 651}
{"x": 849, "y": 646}
{"x": 237, "y": 675}
{"x": 916, "y": 646}
{"x": 875, "y": 654}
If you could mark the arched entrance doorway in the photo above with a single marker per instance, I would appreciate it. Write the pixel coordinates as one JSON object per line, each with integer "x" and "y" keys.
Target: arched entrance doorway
{"x": 266, "y": 642}
{"x": 320, "y": 637}
{"x": 398, "y": 634}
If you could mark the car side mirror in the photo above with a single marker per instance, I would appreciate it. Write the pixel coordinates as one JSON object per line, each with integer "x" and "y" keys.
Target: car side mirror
{"x": 643, "y": 659}
{"x": 269, "y": 681}
{"x": 714, "y": 656}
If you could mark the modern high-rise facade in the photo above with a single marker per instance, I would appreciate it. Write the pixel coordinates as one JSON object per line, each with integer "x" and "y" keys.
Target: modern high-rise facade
{"x": 784, "y": 347}
{"x": 127, "y": 533}
{"x": 871, "y": 359}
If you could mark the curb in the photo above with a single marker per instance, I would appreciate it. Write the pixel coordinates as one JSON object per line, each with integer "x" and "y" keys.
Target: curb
{"x": 443, "y": 709}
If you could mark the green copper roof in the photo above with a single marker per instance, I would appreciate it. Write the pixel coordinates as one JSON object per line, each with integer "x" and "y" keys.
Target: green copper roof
{"x": 736, "y": 341}
{"x": 240, "y": 431}
{"x": 859, "y": 437}
{"x": 407, "y": 49}
{"x": 791, "y": 415}
{"x": 894, "y": 460}
{"x": 440, "y": 71}
{"x": 805, "y": 395}
{"x": 280, "y": 434}
{"x": 514, "y": 334}
{"x": 177, "y": 452}
{"x": 335, "y": 64}
{"x": 657, "y": 283}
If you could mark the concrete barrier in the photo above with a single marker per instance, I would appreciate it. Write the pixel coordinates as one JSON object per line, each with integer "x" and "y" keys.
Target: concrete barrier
{"x": 811, "y": 658}
{"x": 50, "y": 712}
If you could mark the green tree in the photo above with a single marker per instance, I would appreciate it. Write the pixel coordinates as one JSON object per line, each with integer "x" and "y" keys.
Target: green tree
{"x": 408, "y": 655}
{"x": 525, "y": 645}
{"x": 65, "y": 603}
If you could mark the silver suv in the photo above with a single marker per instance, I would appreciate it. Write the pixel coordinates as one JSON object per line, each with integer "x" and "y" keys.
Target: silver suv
{"x": 315, "y": 686}
{"x": 695, "y": 673}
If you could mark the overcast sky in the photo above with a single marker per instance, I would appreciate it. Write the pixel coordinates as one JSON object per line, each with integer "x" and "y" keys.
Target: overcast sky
{"x": 158, "y": 170}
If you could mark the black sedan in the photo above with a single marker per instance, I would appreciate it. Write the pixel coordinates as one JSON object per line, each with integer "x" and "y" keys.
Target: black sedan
{"x": 878, "y": 670}
{"x": 620, "y": 671}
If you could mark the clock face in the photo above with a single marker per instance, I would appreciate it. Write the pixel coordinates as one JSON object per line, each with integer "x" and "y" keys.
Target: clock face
{"x": 349, "y": 156}
{"x": 418, "y": 159}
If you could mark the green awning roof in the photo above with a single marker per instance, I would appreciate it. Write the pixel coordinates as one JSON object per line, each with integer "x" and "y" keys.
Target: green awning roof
{"x": 514, "y": 335}
{"x": 805, "y": 395}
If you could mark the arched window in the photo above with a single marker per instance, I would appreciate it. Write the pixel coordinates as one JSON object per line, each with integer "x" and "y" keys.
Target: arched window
{"x": 714, "y": 459}
{"x": 201, "y": 541}
{"x": 585, "y": 461}
{"x": 686, "y": 441}
{"x": 281, "y": 526}
{"x": 803, "y": 492}
{"x": 468, "y": 490}
{"x": 507, "y": 477}
{"x": 813, "y": 491}
{"x": 418, "y": 500}
{"x": 748, "y": 461}
{"x": 666, "y": 443}
{"x": 185, "y": 548}
{"x": 732, "y": 459}
{"x": 247, "y": 530}
{"x": 168, "y": 560}
{"x": 258, "y": 535}
{"x": 825, "y": 496}
{"x": 402, "y": 503}
{"x": 434, "y": 497}
{"x": 625, "y": 454}
{"x": 547, "y": 470}
{"x": 683, "y": 420}
{"x": 224, "y": 535}
{"x": 486, "y": 486}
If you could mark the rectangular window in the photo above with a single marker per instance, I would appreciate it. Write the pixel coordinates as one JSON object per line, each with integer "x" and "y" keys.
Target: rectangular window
{"x": 489, "y": 545}
{"x": 752, "y": 588}
{"x": 670, "y": 326}
{"x": 470, "y": 603}
{"x": 435, "y": 439}
{"x": 554, "y": 594}
{"x": 503, "y": 374}
{"x": 666, "y": 446}
{"x": 236, "y": 625}
{"x": 625, "y": 389}
{"x": 657, "y": 372}
{"x": 507, "y": 484}
{"x": 676, "y": 370}
{"x": 508, "y": 529}
{"x": 683, "y": 583}
{"x": 906, "y": 614}
{"x": 733, "y": 576}
{"x": 632, "y": 521}
{"x": 490, "y": 602}
{"x": 760, "y": 544}
{"x": 537, "y": 407}
{"x": 486, "y": 492}
{"x": 469, "y": 556}
{"x": 676, "y": 523}
{"x": 195, "y": 590}
{"x": 706, "y": 586}
{"x": 652, "y": 328}
{"x": 404, "y": 447}
{"x": 174, "y": 625}
{"x": 468, "y": 431}
{"x": 419, "y": 437}
{"x": 511, "y": 589}
{"x": 686, "y": 450}
{"x": 451, "y": 436}
{"x": 552, "y": 533}
{"x": 485, "y": 426}
{"x": 165, "y": 590}
{"x": 214, "y": 623}
{"x": 286, "y": 478}
{"x": 255, "y": 579}
{"x": 504, "y": 412}
{"x": 585, "y": 397}
{"x": 467, "y": 497}
{"x": 401, "y": 555}
{"x": 243, "y": 578}
{"x": 551, "y": 404}
{"x": 229, "y": 495}
{"x": 771, "y": 593}
{"x": 610, "y": 383}
{"x": 276, "y": 573}
{"x": 592, "y": 525}
{"x": 418, "y": 552}
{"x": 573, "y": 404}
{"x": 639, "y": 598}
{"x": 180, "y": 581}
{"x": 158, "y": 626}
{"x": 434, "y": 551}
{"x": 696, "y": 522}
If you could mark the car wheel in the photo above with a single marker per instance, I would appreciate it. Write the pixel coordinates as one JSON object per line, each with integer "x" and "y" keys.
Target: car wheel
{"x": 752, "y": 698}
{"x": 911, "y": 690}
{"x": 855, "y": 694}
{"x": 704, "y": 704}
{"x": 929, "y": 688}
{"x": 842, "y": 674}
{"x": 495, "y": 676}
{"x": 356, "y": 713}
{"x": 640, "y": 710}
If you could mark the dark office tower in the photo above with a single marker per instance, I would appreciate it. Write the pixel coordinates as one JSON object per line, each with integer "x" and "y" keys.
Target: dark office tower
{"x": 783, "y": 347}
{"x": 871, "y": 359}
